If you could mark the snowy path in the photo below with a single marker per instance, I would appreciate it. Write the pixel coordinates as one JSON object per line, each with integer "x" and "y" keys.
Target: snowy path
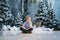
{"x": 34, "y": 36}
{"x": 37, "y": 34}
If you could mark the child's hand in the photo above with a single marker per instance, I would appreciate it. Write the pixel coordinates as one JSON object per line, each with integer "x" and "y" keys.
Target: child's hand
{"x": 26, "y": 29}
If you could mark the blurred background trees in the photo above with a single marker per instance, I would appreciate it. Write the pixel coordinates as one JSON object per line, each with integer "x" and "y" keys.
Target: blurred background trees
{"x": 13, "y": 12}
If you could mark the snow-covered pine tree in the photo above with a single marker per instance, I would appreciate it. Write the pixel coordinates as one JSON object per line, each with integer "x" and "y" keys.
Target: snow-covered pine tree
{"x": 5, "y": 12}
{"x": 1, "y": 15}
{"x": 19, "y": 21}
{"x": 40, "y": 15}
{"x": 52, "y": 18}
{"x": 45, "y": 16}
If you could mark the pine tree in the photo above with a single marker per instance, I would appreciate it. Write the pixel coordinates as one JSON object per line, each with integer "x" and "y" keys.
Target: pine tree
{"x": 5, "y": 12}
{"x": 40, "y": 15}
{"x": 19, "y": 21}
{"x": 52, "y": 18}
{"x": 45, "y": 16}
{"x": 7, "y": 17}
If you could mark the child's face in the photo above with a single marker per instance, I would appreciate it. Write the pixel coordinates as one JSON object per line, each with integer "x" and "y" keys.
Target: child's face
{"x": 28, "y": 19}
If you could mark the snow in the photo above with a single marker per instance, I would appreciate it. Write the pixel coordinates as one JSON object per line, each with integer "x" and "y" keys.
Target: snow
{"x": 42, "y": 30}
{"x": 6, "y": 27}
{"x": 15, "y": 30}
{"x": 33, "y": 36}
{"x": 1, "y": 19}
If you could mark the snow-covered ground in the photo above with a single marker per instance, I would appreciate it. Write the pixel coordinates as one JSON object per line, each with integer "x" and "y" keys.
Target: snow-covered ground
{"x": 39, "y": 33}
{"x": 15, "y": 30}
{"x": 43, "y": 35}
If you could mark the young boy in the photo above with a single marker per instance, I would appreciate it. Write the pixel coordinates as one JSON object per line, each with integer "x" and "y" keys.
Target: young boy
{"x": 27, "y": 26}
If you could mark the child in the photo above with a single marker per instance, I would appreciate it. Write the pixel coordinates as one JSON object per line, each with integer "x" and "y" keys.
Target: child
{"x": 27, "y": 26}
